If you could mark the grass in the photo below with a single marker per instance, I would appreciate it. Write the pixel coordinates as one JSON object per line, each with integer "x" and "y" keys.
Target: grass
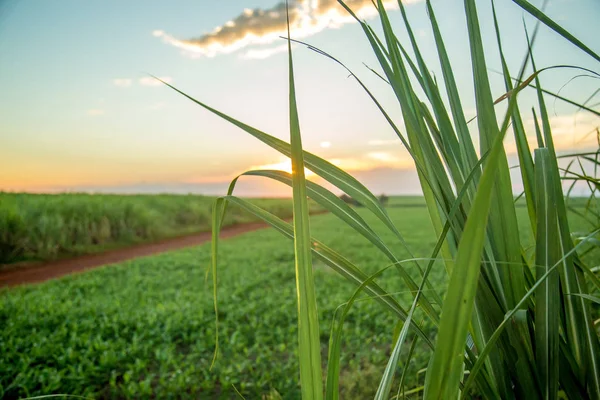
{"x": 146, "y": 327}
{"x": 509, "y": 326}
{"x": 42, "y": 227}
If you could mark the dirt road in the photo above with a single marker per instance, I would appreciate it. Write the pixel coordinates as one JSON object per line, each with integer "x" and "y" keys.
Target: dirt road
{"x": 12, "y": 276}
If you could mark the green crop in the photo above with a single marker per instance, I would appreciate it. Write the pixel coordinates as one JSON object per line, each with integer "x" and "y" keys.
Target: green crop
{"x": 145, "y": 328}
{"x": 36, "y": 226}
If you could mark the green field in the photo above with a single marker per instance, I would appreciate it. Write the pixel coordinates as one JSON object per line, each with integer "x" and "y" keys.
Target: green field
{"x": 49, "y": 226}
{"x": 145, "y": 328}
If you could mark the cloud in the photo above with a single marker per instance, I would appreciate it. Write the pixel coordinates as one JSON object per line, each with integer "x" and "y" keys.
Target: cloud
{"x": 261, "y": 54}
{"x": 383, "y": 157}
{"x": 150, "y": 81}
{"x": 145, "y": 81}
{"x": 372, "y": 161}
{"x": 122, "y": 82}
{"x": 384, "y": 142}
{"x": 574, "y": 130}
{"x": 264, "y": 26}
{"x": 95, "y": 112}
{"x": 569, "y": 132}
{"x": 359, "y": 162}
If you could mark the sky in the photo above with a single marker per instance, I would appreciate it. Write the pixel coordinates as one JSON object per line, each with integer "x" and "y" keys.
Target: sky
{"x": 80, "y": 112}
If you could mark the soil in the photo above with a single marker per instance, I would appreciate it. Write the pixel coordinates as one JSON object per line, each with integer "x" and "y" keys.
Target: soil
{"x": 39, "y": 272}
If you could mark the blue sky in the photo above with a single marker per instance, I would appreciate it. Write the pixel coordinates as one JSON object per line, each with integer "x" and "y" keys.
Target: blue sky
{"x": 78, "y": 111}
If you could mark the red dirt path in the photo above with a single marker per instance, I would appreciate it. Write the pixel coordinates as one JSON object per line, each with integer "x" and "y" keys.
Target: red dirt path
{"x": 54, "y": 269}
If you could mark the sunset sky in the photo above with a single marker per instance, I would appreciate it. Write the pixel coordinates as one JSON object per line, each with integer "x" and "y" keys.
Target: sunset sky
{"x": 78, "y": 110}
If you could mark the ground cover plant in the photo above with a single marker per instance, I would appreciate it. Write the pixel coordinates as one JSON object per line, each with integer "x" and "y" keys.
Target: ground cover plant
{"x": 47, "y": 226}
{"x": 145, "y": 328}
{"x": 508, "y": 326}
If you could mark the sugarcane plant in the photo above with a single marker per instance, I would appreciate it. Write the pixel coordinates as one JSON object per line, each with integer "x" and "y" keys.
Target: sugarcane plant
{"x": 509, "y": 325}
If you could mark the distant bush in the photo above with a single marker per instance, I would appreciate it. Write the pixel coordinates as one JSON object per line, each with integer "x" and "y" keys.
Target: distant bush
{"x": 349, "y": 200}
{"x": 383, "y": 199}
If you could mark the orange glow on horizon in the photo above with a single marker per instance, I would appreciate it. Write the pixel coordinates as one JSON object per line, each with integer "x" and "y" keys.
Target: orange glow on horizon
{"x": 285, "y": 165}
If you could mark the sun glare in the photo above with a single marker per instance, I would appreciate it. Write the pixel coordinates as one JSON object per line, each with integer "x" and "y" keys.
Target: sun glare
{"x": 285, "y": 165}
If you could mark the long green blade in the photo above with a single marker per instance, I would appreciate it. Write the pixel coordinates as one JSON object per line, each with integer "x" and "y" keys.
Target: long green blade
{"x": 484, "y": 353}
{"x": 335, "y": 261}
{"x": 593, "y": 299}
{"x": 387, "y": 378}
{"x": 309, "y": 350}
{"x": 338, "y": 207}
{"x": 446, "y": 368}
{"x": 540, "y": 16}
{"x": 523, "y": 150}
{"x": 581, "y": 335}
{"x": 547, "y": 297}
